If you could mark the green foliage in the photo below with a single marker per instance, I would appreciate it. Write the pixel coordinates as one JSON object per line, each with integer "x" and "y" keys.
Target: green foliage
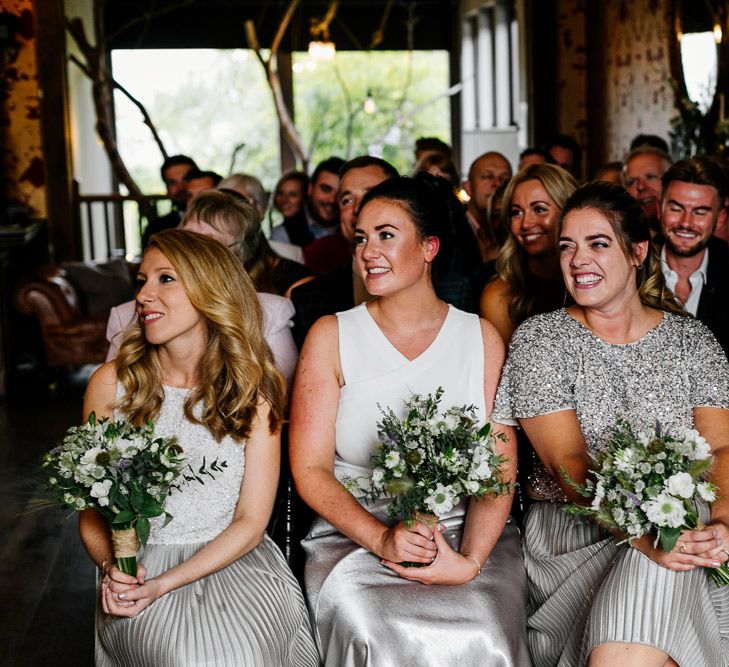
{"x": 211, "y": 113}
{"x": 429, "y": 462}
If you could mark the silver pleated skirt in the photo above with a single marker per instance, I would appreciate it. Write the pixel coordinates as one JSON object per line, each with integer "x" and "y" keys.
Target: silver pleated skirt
{"x": 586, "y": 590}
{"x": 365, "y": 614}
{"x": 250, "y": 613}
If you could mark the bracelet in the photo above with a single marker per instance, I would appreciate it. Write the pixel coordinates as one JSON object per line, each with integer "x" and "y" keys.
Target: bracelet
{"x": 475, "y": 562}
{"x": 108, "y": 560}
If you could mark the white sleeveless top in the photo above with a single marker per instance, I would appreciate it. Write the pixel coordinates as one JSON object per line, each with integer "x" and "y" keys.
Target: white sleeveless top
{"x": 375, "y": 372}
{"x": 200, "y": 512}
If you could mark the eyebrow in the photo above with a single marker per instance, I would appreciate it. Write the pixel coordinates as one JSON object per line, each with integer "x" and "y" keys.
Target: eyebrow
{"x": 703, "y": 207}
{"x": 591, "y": 237}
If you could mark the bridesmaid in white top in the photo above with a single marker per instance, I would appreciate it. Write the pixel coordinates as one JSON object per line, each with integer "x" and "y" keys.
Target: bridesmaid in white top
{"x": 406, "y": 340}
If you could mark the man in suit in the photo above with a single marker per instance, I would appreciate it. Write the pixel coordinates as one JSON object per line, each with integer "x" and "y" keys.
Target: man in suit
{"x": 342, "y": 288}
{"x": 695, "y": 263}
{"x": 173, "y": 172}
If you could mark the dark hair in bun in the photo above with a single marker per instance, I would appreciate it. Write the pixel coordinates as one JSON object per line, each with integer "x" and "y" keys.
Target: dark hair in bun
{"x": 431, "y": 204}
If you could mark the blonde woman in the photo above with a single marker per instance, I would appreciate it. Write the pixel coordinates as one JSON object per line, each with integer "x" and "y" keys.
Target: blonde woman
{"x": 225, "y": 218}
{"x": 213, "y": 587}
{"x": 528, "y": 277}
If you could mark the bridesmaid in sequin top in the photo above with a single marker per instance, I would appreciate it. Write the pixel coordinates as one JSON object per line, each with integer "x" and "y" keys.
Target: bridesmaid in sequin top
{"x": 625, "y": 348}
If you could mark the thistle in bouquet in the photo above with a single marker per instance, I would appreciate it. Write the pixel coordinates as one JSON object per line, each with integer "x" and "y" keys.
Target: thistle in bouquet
{"x": 123, "y": 472}
{"x": 430, "y": 461}
{"x": 651, "y": 483}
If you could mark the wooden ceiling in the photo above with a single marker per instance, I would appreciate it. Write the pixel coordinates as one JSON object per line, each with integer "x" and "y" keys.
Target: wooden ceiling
{"x": 220, "y": 23}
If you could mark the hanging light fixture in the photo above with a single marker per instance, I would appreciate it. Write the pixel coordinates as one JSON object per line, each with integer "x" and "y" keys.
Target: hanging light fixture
{"x": 370, "y": 106}
{"x": 321, "y": 47}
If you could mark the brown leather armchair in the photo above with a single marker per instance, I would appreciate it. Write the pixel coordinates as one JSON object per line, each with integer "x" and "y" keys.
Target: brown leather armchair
{"x": 69, "y": 338}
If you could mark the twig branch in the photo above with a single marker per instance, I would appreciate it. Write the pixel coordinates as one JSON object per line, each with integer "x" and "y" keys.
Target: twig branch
{"x": 145, "y": 115}
{"x": 101, "y": 87}
{"x": 290, "y": 133}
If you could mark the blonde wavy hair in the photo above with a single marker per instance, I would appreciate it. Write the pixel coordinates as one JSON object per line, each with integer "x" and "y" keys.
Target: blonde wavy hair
{"x": 237, "y": 370}
{"x": 631, "y": 227}
{"x": 512, "y": 262}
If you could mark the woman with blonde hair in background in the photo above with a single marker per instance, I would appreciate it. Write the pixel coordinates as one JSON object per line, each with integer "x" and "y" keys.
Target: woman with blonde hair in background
{"x": 214, "y": 588}
{"x": 527, "y": 268}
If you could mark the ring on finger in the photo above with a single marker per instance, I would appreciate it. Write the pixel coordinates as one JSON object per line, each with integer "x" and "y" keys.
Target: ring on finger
{"x": 726, "y": 552}
{"x": 682, "y": 548}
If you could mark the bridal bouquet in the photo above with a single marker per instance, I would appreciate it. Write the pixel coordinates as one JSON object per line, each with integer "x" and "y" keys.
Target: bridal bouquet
{"x": 651, "y": 482}
{"x": 428, "y": 462}
{"x": 124, "y": 473}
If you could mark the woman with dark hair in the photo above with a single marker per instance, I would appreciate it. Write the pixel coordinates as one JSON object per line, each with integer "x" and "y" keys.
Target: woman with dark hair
{"x": 214, "y": 589}
{"x": 404, "y": 341}
{"x": 624, "y": 349}
{"x": 528, "y": 276}
{"x": 289, "y": 199}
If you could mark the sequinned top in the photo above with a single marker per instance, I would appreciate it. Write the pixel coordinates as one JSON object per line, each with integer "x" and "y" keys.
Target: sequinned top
{"x": 556, "y": 363}
{"x": 199, "y": 512}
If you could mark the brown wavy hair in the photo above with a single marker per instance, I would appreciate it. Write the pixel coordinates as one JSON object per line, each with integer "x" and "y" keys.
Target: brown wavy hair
{"x": 512, "y": 263}
{"x": 237, "y": 370}
{"x": 630, "y": 225}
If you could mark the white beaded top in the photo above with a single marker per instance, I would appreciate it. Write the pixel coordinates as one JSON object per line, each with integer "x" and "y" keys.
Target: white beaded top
{"x": 199, "y": 512}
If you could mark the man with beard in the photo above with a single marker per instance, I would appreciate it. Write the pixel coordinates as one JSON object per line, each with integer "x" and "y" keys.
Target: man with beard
{"x": 642, "y": 174}
{"x": 696, "y": 265}
{"x": 322, "y": 212}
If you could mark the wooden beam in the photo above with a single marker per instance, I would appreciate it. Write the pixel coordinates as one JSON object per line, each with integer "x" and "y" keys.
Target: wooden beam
{"x": 65, "y": 238}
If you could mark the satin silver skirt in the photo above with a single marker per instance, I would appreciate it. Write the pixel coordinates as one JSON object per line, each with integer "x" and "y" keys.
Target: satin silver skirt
{"x": 585, "y": 590}
{"x": 365, "y": 614}
{"x": 250, "y": 613}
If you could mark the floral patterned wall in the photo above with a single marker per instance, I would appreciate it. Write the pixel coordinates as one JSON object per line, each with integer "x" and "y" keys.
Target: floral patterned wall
{"x": 572, "y": 74}
{"x": 23, "y": 169}
{"x": 639, "y": 94}
{"x": 629, "y": 53}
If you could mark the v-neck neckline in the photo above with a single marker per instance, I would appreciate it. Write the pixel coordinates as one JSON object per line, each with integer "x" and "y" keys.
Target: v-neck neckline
{"x": 381, "y": 334}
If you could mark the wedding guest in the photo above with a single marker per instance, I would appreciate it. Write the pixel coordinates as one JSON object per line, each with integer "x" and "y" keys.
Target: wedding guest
{"x": 212, "y": 586}
{"x": 531, "y": 156}
{"x": 528, "y": 277}
{"x": 213, "y": 215}
{"x": 428, "y": 145}
{"x": 439, "y": 164}
{"x": 612, "y": 172}
{"x": 173, "y": 173}
{"x": 404, "y": 341}
{"x": 289, "y": 199}
{"x": 322, "y": 214}
{"x": 252, "y": 190}
{"x": 642, "y": 174}
{"x": 695, "y": 262}
{"x": 357, "y": 176}
{"x": 198, "y": 181}
{"x": 269, "y": 272}
{"x": 624, "y": 349}
{"x": 564, "y": 151}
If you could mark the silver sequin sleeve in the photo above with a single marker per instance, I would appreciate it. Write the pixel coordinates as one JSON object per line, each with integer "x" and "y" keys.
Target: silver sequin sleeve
{"x": 556, "y": 363}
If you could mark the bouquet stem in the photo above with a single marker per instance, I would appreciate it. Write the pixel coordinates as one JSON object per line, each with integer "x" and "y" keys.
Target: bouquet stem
{"x": 124, "y": 540}
{"x": 429, "y": 520}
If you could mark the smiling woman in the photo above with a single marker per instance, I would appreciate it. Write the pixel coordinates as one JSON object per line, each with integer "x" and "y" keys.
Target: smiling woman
{"x": 197, "y": 366}
{"x": 621, "y": 352}
{"x": 404, "y": 341}
{"x": 528, "y": 279}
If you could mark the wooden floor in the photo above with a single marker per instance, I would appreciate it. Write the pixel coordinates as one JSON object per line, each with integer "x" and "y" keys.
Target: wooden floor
{"x": 46, "y": 580}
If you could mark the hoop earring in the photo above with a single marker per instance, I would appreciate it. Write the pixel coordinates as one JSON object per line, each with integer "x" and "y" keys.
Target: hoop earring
{"x": 639, "y": 266}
